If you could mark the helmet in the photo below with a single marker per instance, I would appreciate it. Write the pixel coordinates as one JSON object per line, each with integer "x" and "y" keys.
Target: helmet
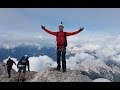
{"x": 9, "y": 57}
{"x": 61, "y": 24}
{"x": 25, "y": 56}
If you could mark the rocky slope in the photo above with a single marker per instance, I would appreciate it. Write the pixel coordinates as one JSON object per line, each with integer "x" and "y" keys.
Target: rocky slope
{"x": 46, "y": 75}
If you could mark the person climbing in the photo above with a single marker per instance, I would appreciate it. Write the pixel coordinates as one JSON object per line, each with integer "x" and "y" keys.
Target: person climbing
{"x": 61, "y": 38}
{"x": 22, "y": 64}
{"x": 9, "y": 64}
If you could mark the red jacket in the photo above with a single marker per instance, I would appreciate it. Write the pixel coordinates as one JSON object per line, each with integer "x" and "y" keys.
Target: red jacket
{"x": 60, "y": 37}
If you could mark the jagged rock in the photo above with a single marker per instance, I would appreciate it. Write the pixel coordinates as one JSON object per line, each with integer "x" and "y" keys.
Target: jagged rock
{"x": 28, "y": 76}
{"x": 51, "y": 75}
{"x": 4, "y": 75}
{"x": 46, "y": 75}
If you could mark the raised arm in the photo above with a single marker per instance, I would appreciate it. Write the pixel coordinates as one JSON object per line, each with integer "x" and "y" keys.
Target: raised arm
{"x": 73, "y": 33}
{"x": 7, "y": 62}
{"x": 28, "y": 64}
{"x": 48, "y": 31}
{"x": 14, "y": 62}
{"x": 18, "y": 63}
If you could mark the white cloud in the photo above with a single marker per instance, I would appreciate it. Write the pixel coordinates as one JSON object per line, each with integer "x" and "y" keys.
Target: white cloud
{"x": 12, "y": 40}
{"x": 93, "y": 52}
{"x": 89, "y": 53}
{"x": 41, "y": 62}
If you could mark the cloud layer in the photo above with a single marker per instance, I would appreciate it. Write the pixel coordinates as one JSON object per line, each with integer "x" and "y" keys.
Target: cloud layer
{"x": 86, "y": 53}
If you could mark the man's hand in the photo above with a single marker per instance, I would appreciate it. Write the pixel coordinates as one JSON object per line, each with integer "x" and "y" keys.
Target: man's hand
{"x": 81, "y": 29}
{"x": 43, "y": 27}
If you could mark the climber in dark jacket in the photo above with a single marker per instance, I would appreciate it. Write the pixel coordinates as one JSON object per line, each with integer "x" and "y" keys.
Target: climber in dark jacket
{"x": 22, "y": 64}
{"x": 9, "y": 66}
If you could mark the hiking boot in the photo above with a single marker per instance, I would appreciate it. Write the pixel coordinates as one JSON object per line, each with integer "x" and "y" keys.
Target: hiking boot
{"x": 64, "y": 70}
{"x": 57, "y": 69}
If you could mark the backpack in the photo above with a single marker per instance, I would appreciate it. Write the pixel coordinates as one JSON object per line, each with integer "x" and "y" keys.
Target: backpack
{"x": 23, "y": 61}
{"x": 65, "y": 39}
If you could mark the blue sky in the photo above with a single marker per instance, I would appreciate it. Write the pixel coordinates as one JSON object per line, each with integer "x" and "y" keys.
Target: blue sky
{"x": 94, "y": 20}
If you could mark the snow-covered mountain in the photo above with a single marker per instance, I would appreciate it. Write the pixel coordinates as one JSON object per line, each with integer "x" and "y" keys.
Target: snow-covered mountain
{"x": 31, "y": 50}
{"x": 110, "y": 73}
{"x": 97, "y": 58}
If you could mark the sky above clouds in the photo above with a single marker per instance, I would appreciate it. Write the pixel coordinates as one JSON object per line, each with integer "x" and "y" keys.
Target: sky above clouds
{"x": 23, "y": 24}
{"x": 29, "y": 19}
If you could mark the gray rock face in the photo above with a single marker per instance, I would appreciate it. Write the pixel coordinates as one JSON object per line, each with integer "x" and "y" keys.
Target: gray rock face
{"x": 51, "y": 75}
{"x": 14, "y": 74}
{"x": 29, "y": 75}
{"x": 3, "y": 73}
{"x": 47, "y": 75}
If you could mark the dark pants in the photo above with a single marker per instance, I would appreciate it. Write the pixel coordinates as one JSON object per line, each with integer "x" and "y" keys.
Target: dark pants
{"x": 61, "y": 55}
{"x": 9, "y": 70}
{"x": 22, "y": 68}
